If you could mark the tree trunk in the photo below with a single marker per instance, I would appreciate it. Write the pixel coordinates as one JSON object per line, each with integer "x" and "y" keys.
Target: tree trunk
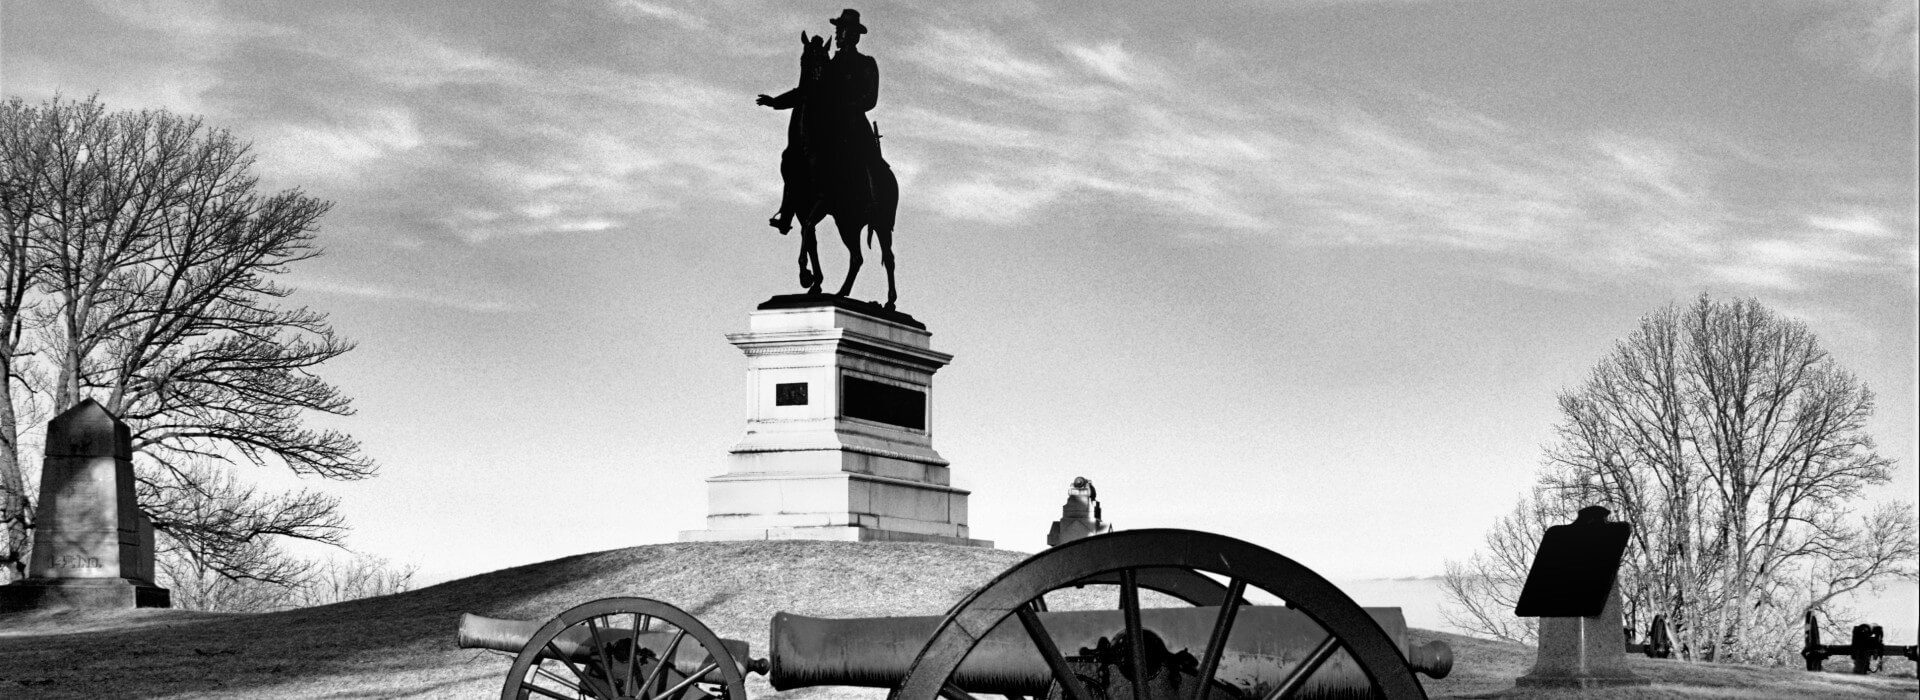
{"x": 14, "y": 503}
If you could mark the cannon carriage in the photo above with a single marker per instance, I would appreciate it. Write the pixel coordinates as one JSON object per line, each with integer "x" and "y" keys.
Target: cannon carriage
{"x": 1002, "y": 639}
{"x": 1868, "y": 648}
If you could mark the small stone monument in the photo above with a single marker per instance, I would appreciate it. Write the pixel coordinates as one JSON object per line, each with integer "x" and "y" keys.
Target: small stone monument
{"x": 92, "y": 547}
{"x": 839, "y": 439}
{"x": 1571, "y": 588}
{"x": 1080, "y": 517}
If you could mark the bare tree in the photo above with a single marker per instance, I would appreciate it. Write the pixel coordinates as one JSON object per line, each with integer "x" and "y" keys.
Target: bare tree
{"x": 333, "y": 581}
{"x": 27, "y": 141}
{"x": 1484, "y": 589}
{"x": 207, "y": 517}
{"x": 17, "y": 163}
{"x": 1736, "y": 446}
{"x": 354, "y": 578}
{"x": 152, "y": 292}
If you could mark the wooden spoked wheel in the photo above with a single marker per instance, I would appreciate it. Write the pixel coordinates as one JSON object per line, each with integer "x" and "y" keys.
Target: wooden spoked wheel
{"x": 625, "y": 649}
{"x": 1133, "y": 559}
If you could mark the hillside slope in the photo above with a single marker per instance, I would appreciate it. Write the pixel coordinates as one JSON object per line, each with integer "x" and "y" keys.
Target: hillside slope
{"x": 402, "y": 645}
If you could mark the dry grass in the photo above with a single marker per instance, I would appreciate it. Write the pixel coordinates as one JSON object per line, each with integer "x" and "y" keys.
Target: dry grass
{"x": 402, "y": 645}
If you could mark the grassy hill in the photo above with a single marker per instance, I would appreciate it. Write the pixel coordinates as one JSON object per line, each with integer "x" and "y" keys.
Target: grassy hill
{"x": 402, "y": 645}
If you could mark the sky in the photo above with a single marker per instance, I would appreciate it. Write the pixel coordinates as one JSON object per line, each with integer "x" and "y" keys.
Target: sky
{"x": 1310, "y": 274}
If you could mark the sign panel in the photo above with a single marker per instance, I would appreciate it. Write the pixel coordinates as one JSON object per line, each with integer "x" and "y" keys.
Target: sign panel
{"x": 1574, "y": 568}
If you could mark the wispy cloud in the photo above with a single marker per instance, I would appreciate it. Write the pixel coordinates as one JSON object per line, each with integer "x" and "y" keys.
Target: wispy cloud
{"x": 1111, "y": 61}
{"x": 1856, "y": 223}
{"x": 363, "y": 290}
{"x": 1878, "y": 38}
{"x": 498, "y": 148}
{"x": 1783, "y": 264}
{"x": 984, "y": 59}
{"x": 337, "y": 150}
{"x": 660, "y": 11}
{"x": 1370, "y": 164}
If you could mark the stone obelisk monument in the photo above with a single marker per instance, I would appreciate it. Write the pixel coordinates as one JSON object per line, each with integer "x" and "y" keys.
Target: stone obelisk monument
{"x": 92, "y": 547}
{"x": 839, "y": 440}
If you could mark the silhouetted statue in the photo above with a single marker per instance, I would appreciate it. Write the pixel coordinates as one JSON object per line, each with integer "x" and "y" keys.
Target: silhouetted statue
{"x": 832, "y": 165}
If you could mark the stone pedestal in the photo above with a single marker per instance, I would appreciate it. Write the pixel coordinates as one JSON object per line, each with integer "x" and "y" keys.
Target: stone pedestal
{"x": 839, "y": 433}
{"x": 1582, "y": 652}
{"x": 1079, "y": 517}
{"x": 92, "y": 547}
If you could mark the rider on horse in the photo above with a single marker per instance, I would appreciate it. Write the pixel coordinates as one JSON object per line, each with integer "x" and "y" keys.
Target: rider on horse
{"x": 840, "y": 158}
{"x": 832, "y": 165}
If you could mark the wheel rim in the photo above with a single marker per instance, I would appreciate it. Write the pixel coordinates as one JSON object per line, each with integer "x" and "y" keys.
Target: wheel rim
{"x": 612, "y": 649}
{"x": 1123, "y": 557}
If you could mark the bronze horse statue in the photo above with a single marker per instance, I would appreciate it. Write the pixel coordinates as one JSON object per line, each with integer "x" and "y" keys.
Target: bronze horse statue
{"x": 823, "y": 178}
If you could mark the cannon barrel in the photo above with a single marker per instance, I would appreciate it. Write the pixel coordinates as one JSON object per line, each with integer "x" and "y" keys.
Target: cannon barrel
{"x": 575, "y": 644}
{"x": 1266, "y": 642}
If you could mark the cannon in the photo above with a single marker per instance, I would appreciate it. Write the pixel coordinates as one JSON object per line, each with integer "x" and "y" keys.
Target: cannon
{"x": 878, "y": 652}
{"x": 1002, "y": 639}
{"x": 614, "y": 648}
{"x": 1869, "y": 645}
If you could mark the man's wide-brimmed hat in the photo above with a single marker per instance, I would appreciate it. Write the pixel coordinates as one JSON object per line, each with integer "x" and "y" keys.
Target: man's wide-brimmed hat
{"x": 850, "y": 21}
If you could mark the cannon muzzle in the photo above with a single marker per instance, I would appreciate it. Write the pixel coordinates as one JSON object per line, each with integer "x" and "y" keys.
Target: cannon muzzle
{"x": 1266, "y": 642}
{"x": 481, "y": 632}
{"x": 575, "y": 643}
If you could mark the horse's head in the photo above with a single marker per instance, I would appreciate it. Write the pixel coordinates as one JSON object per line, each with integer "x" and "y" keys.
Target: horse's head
{"x": 813, "y": 57}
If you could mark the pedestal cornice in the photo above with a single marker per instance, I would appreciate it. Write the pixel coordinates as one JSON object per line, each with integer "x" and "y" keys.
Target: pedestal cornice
{"x": 808, "y": 341}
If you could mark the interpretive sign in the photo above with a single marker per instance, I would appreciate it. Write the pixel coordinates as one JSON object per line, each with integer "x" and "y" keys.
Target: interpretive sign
{"x": 1571, "y": 589}
{"x": 1575, "y": 567}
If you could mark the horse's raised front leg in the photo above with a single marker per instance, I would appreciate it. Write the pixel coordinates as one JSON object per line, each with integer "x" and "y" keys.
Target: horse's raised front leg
{"x": 850, "y": 235}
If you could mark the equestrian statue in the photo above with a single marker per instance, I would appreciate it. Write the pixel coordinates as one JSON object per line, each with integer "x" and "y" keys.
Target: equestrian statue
{"x": 832, "y": 164}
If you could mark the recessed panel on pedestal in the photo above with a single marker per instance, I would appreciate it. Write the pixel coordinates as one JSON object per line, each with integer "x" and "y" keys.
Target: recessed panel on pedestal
{"x": 882, "y": 402}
